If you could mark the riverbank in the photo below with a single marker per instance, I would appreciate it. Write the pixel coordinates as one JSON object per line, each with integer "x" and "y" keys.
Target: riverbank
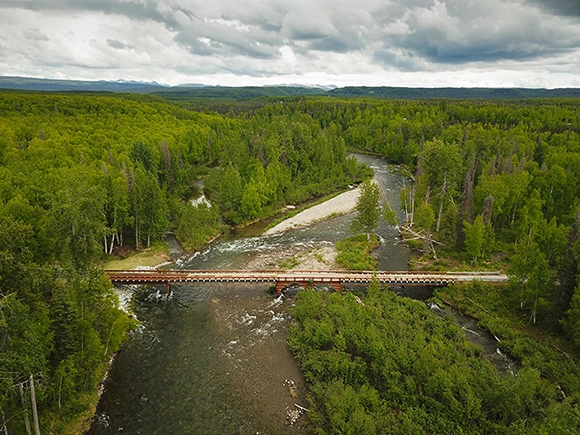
{"x": 155, "y": 256}
{"x": 340, "y": 204}
{"x": 304, "y": 258}
{"x": 218, "y": 352}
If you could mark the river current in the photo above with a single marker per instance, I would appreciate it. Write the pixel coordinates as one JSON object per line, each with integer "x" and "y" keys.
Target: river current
{"x": 213, "y": 358}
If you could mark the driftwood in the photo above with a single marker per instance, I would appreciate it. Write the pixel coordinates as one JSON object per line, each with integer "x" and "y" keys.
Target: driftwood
{"x": 403, "y": 168}
{"x": 442, "y": 195}
{"x": 301, "y": 408}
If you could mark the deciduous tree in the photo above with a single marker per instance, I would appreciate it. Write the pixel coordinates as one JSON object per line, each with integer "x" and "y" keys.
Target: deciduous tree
{"x": 368, "y": 209}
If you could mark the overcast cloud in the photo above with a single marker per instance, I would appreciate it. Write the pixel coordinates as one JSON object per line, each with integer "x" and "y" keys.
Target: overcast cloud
{"x": 525, "y": 43}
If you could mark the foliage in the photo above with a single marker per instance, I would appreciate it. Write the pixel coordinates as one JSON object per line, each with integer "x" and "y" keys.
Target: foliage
{"x": 492, "y": 181}
{"x": 573, "y": 320}
{"x": 388, "y": 365}
{"x": 60, "y": 325}
{"x": 288, "y": 263}
{"x": 198, "y": 225}
{"x": 354, "y": 252}
{"x": 550, "y": 354}
{"x": 205, "y": 94}
{"x": 368, "y": 208}
{"x": 451, "y": 93}
{"x": 476, "y": 242}
{"x": 82, "y": 174}
{"x": 104, "y": 167}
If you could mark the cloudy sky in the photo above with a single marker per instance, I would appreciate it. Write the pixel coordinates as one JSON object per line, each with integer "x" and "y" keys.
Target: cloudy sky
{"x": 524, "y": 43}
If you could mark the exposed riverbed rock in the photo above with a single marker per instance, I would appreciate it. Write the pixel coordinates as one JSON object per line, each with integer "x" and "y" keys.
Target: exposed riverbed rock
{"x": 311, "y": 257}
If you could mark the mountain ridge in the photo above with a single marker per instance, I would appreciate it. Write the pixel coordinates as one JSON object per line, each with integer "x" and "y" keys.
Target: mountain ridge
{"x": 202, "y": 91}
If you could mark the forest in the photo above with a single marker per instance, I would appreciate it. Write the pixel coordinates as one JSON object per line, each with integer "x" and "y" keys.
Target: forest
{"x": 493, "y": 184}
{"x": 83, "y": 174}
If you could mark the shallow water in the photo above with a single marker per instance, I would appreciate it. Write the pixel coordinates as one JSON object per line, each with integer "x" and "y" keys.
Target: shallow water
{"x": 199, "y": 362}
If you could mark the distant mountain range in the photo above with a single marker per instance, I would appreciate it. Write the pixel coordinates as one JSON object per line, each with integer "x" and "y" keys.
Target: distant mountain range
{"x": 32, "y": 84}
{"x": 478, "y": 93}
{"x": 200, "y": 91}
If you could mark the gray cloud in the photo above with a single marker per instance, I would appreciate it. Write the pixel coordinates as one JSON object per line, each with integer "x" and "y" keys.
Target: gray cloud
{"x": 261, "y": 38}
{"x": 442, "y": 31}
{"x": 565, "y": 8}
{"x": 449, "y": 32}
{"x": 135, "y": 9}
{"x": 227, "y": 38}
{"x": 117, "y": 44}
{"x": 399, "y": 60}
{"x": 34, "y": 34}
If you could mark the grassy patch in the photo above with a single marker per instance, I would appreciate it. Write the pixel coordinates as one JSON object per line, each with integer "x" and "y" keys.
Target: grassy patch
{"x": 354, "y": 253}
{"x": 288, "y": 263}
{"x": 157, "y": 254}
{"x": 73, "y": 419}
{"x": 428, "y": 263}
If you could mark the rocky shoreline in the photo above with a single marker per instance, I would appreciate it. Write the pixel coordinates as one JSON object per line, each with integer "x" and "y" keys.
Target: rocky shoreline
{"x": 340, "y": 204}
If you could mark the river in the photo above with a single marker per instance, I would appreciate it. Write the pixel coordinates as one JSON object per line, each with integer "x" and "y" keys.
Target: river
{"x": 213, "y": 358}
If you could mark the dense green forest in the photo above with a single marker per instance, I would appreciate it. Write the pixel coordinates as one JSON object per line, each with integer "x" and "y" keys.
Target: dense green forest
{"x": 380, "y": 363}
{"x": 494, "y": 185}
{"x": 82, "y": 174}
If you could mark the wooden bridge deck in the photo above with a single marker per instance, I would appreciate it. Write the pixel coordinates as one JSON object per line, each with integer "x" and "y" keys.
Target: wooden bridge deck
{"x": 334, "y": 278}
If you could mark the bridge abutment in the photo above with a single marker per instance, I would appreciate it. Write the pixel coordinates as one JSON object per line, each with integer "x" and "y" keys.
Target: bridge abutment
{"x": 280, "y": 286}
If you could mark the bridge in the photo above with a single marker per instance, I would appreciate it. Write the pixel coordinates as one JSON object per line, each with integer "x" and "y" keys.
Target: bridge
{"x": 305, "y": 278}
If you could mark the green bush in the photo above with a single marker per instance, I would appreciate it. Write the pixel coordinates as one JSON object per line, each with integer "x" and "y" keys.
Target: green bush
{"x": 354, "y": 253}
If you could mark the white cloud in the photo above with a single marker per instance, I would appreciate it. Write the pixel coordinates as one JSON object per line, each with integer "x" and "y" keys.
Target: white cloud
{"x": 368, "y": 42}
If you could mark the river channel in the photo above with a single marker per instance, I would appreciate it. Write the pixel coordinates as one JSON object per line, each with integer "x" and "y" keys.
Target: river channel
{"x": 213, "y": 358}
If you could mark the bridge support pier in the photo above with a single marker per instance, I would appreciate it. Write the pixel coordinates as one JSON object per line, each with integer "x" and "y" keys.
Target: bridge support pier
{"x": 337, "y": 286}
{"x": 280, "y": 285}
